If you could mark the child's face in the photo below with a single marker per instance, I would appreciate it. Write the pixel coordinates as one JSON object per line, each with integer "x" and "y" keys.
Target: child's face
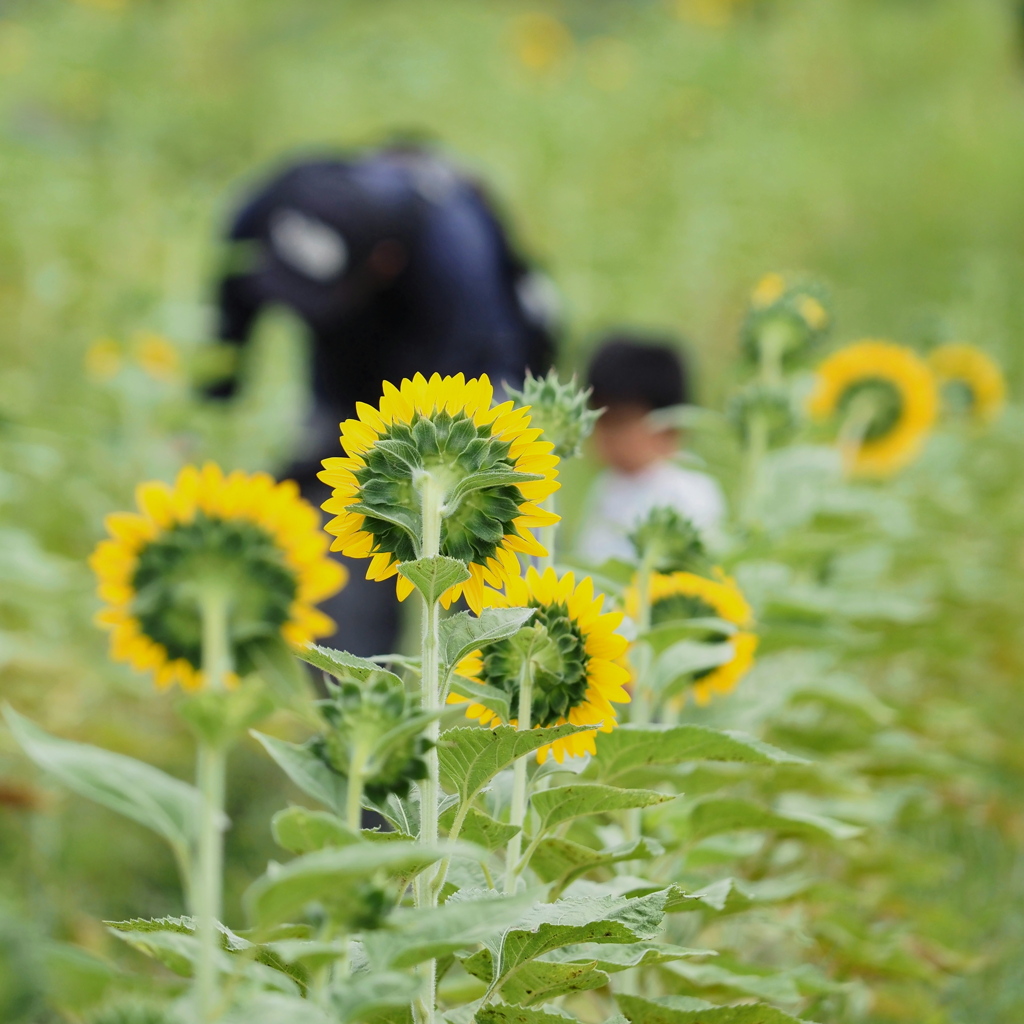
{"x": 626, "y": 441}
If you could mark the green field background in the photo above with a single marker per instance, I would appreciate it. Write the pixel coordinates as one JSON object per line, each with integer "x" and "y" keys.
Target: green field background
{"x": 655, "y": 158}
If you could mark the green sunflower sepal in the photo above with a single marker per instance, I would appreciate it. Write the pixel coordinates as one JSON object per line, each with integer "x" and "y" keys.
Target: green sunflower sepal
{"x": 666, "y": 541}
{"x": 220, "y": 717}
{"x": 433, "y": 576}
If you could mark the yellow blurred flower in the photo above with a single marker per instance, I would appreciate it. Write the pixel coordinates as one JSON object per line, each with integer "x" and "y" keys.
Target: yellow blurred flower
{"x": 685, "y": 595}
{"x": 970, "y": 379}
{"x": 813, "y": 312}
{"x": 103, "y": 359}
{"x": 579, "y": 678}
{"x": 157, "y": 356}
{"x": 254, "y": 538}
{"x": 888, "y": 401}
{"x": 540, "y": 41}
{"x": 768, "y": 290}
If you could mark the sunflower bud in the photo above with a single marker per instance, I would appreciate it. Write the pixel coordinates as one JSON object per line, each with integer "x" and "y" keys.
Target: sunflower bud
{"x": 787, "y": 317}
{"x": 372, "y": 722}
{"x": 668, "y": 542}
{"x": 560, "y": 410}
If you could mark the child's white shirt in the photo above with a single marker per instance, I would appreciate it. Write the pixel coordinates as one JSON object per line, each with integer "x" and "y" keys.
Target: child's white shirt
{"x": 618, "y": 501}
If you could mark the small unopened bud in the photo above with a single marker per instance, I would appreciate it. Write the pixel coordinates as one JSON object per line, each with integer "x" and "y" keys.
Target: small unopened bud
{"x": 560, "y": 410}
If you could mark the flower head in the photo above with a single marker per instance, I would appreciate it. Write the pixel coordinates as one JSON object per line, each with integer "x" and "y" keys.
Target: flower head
{"x": 488, "y": 460}
{"x": 667, "y": 541}
{"x": 560, "y": 410}
{"x": 888, "y": 398}
{"x": 685, "y": 595}
{"x": 788, "y": 315}
{"x": 103, "y": 359}
{"x": 255, "y": 540}
{"x": 971, "y": 381}
{"x": 157, "y": 356}
{"x": 573, "y": 649}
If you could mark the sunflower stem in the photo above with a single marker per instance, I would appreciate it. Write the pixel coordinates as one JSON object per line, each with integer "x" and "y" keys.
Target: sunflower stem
{"x": 853, "y": 432}
{"x": 210, "y": 776}
{"x": 425, "y": 893}
{"x": 640, "y": 705}
{"x": 517, "y": 811}
{"x": 356, "y": 775}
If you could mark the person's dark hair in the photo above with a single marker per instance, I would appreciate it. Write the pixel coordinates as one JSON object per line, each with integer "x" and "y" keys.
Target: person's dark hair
{"x": 635, "y": 368}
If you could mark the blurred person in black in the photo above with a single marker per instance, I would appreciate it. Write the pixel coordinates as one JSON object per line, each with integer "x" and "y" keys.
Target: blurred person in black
{"x": 397, "y": 263}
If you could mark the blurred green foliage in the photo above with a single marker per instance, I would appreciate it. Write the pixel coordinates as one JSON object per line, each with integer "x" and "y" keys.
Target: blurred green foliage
{"x": 657, "y": 158}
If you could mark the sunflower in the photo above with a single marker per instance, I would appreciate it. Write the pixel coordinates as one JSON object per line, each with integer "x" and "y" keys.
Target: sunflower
{"x": 448, "y": 428}
{"x": 786, "y": 317}
{"x": 970, "y": 379}
{"x": 575, "y": 675}
{"x": 889, "y": 397}
{"x": 685, "y": 595}
{"x": 256, "y": 538}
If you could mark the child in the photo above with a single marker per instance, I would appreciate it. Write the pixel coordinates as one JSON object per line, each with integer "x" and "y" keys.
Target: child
{"x": 631, "y": 377}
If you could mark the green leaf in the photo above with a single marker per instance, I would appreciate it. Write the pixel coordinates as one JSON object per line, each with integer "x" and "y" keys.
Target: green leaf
{"x": 464, "y": 633}
{"x": 341, "y": 664}
{"x": 219, "y": 717}
{"x": 777, "y": 987}
{"x": 630, "y": 747}
{"x": 470, "y": 757}
{"x": 562, "y": 861}
{"x": 499, "y": 1014}
{"x": 729, "y": 896}
{"x": 468, "y": 918}
{"x": 481, "y": 829}
{"x": 273, "y": 1008}
{"x": 541, "y": 980}
{"x": 168, "y": 806}
{"x": 663, "y": 636}
{"x": 331, "y": 873}
{"x": 682, "y": 1010}
{"x": 686, "y": 657}
{"x": 300, "y": 830}
{"x": 548, "y": 926}
{"x": 172, "y": 942}
{"x": 433, "y": 576}
{"x": 726, "y": 814}
{"x": 553, "y": 806}
{"x": 612, "y": 959}
{"x": 400, "y": 517}
{"x": 490, "y": 696}
{"x": 307, "y": 771}
{"x": 485, "y": 478}
{"x": 360, "y": 996}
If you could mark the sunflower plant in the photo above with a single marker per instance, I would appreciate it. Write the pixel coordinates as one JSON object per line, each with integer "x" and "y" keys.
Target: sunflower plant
{"x": 531, "y": 855}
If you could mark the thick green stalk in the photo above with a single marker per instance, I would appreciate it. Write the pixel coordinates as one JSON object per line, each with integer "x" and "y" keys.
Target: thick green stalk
{"x": 517, "y": 811}
{"x": 643, "y": 660}
{"x": 356, "y": 774}
{"x": 771, "y": 347}
{"x": 853, "y": 431}
{"x": 207, "y": 889}
{"x": 425, "y": 893}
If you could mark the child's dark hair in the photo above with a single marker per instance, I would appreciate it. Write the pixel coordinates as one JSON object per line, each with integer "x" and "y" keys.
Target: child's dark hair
{"x": 638, "y": 369}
